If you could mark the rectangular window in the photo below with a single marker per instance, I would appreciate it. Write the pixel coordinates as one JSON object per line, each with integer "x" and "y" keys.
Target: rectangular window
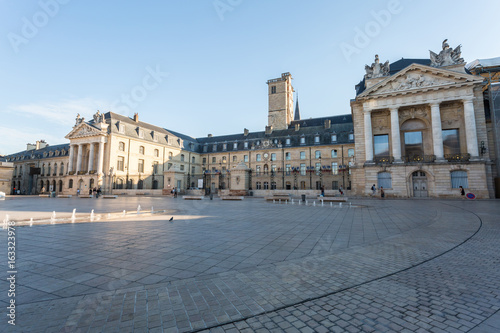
{"x": 204, "y": 160}
{"x": 381, "y": 145}
{"x": 121, "y": 163}
{"x": 193, "y": 170}
{"x": 451, "y": 142}
{"x": 302, "y": 155}
{"x": 350, "y": 152}
{"x": 224, "y": 146}
{"x": 266, "y": 185}
{"x": 273, "y": 90}
{"x": 182, "y": 167}
{"x": 205, "y": 148}
{"x": 245, "y": 144}
{"x": 317, "y": 154}
{"x": 288, "y": 156}
{"x": 245, "y": 158}
{"x": 413, "y": 144}
{"x": 235, "y": 158}
{"x": 214, "y": 160}
{"x": 302, "y": 140}
{"x": 258, "y": 185}
{"x": 334, "y": 137}
{"x": 273, "y": 185}
{"x": 140, "y": 167}
{"x": 316, "y": 139}
{"x": 273, "y": 157}
{"x": 258, "y": 158}
{"x": 384, "y": 180}
{"x": 214, "y": 148}
{"x": 334, "y": 153}
{"x": 303, "y": 169}
{"x": 335, "y": 168}
{"x": 287, "y": 142}
{"x": 351, "y": 136}
{"x": 459, "y": 178}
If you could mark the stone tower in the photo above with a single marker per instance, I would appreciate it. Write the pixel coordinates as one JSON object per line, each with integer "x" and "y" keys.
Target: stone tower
{"x": 280, "y": 102}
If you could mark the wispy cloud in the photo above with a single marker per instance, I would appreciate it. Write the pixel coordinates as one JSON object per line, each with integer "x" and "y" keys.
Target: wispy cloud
{"x": 63, "y": 112}
{"x": 14, "y": 140}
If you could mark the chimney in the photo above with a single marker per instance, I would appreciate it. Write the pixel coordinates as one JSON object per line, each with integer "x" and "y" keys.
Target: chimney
{"x": 136, "y": 117}
{"x": 297, "y": 127}
{"x": 328, "y": 123}
{"x": 269, "y": 129}
{"x": 30, "y": 146}
{"x": 245, "y": 132}
{"x": 210, "y": 135}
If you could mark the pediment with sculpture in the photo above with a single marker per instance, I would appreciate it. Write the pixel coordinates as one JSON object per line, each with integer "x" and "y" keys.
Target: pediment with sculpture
{"x": 83, "y": 130}
{"x": 418, "y": 77}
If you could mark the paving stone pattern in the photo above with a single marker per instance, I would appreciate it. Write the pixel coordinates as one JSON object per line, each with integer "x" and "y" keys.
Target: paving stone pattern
{"x": 393, "y": 265}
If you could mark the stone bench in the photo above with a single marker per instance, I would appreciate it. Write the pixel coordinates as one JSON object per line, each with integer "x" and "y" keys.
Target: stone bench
{"x": 235, "y": 197}
{"x": 193, "y": 197}
{"x": 44, "y": 195}
{"x": 333, "y": 199}
{"x": 64, "y": 195}
{"x": 108, "y": 196}
{"x": 85, "y": 196}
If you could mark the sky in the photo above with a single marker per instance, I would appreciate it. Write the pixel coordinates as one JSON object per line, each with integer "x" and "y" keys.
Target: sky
{"x": 201, "y": 66}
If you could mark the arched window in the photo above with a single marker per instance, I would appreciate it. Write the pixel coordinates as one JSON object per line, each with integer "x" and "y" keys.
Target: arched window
{"x": 121, "y": 146}
{"x": 157, "y": 153}
{"x": 61, "y": 172}
{"x": 384, "y": 180}
{"x": 43, "y": 169}
{"x": 193, "y": 160}
{"x": 266, "y": 169}
{"x": 459, "y": 178}
{"x": 55, "y": 169}
{"x": 48, "y": 170}
{"x": 317, "y": 154}
{"x": 170, "y": 155}
{"x": 141, "y": 150}
{"x": 334, "y": 153}
{"x": 70, "y": 185}
{"x": 119, "y": 184}
{"x": 182, "y": 157}
{"x": 140, "y": 184}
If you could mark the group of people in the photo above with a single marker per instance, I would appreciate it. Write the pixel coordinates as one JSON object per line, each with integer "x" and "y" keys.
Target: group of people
{"x": 175, "y": 191}
{"x": 374, "y": 191}
{"x": 95, "y": 191}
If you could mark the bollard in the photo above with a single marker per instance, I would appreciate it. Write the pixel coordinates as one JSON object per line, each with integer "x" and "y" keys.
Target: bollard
{"x": 53, "y": 218}
{"x": 92, "y": 216}
{"x": 124, "y": 213}
{"x": 31, "y": 222}
{"x": 139, "y": 209}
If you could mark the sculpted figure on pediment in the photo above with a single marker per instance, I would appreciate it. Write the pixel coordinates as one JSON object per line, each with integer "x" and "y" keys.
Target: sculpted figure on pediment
{"x": 448, "y": 56}
{"x": 412, "y": 113}
{"x": 377, "y": 69}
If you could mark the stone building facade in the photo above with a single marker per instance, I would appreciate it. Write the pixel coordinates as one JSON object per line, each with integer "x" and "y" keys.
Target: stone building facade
{"x": 417, "y": 128}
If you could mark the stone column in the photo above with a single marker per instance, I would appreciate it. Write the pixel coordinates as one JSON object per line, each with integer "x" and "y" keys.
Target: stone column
{"x": 71, "y": 157}
{"x": 470, "y": 128}
{"x": 395, "y": 135}
{"x": 79, "y": 158}
{"x": 368, "y": 137}
{"x": 437, "y": 132}
{"x": 91, "y": 157}
{"x": 100, "y": 160}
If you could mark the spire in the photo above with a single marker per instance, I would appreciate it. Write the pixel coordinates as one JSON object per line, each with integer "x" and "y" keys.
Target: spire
{"x": 297, "y": 111}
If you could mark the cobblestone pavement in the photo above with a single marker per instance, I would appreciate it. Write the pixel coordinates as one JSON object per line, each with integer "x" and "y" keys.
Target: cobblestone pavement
{"x": 392, "y": 265}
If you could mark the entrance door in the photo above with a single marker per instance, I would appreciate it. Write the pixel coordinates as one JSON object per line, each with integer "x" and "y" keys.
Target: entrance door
{"x": 419, "y": 180}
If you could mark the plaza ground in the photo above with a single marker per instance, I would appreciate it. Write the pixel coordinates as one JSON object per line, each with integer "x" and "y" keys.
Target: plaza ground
{"x": 255, "y": 266}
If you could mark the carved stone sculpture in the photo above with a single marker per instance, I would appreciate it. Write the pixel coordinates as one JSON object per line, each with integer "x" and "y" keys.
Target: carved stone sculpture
{"x": 78, "y": 119}
{"x": 377, "y": 69}
{"x": 447, "y": 56}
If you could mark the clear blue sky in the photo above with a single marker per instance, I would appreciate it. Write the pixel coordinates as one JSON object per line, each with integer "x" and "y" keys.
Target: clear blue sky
{"x": 85, "y": 55}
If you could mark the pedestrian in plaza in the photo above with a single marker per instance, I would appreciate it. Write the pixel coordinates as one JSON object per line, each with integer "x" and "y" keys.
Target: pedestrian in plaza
{"x": 462, "y": 192}
{"x": 382, "y": 193}
{"x": 77, "y": 192}
{"x": 175, "y": 192}
{"x": 374, "y": 190}
{"x": 98, "y": 192}
{"x": 341, "y": 191}
{"x": 322, "y": 190}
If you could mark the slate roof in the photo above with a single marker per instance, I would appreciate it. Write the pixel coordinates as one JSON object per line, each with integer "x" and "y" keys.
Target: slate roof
{"x": 35, "y": 154}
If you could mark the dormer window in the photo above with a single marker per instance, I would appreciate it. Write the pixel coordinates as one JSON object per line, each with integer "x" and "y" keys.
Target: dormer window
{"x": 224, "y": 146}
{"x": 121, "y": 127}
{"x": 140, "y": 132}
{"x": 235, "y": 145}
{"x": 334, "y": 137}
{"x": 287, "y": 142}
{"x": 214, "y": 147}
{"x": 351, "y": 136}
{"x": 205, "y": 148}
{"x": 302, "y": 140}
{"x": 316, "y": 139}
{"x": 245, "y": 144}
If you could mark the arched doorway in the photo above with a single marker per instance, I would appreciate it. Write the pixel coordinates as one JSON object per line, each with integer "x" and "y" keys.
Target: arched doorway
{"x": 60, "y": 186}
{"x": 155, "y": 184}
{"x": 419, "y": 183}
{"x": 140, "y": 184}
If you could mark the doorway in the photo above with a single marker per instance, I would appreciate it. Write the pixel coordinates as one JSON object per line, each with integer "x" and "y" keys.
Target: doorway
{"x": 419, "y": 181}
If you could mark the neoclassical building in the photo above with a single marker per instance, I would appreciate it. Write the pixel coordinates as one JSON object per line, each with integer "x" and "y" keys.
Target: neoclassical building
{"x": 417, "y": 128}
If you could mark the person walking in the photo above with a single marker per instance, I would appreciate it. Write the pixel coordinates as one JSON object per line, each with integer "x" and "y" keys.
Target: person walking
{"x": 322, "y": 190}
{"x": 462, "y": 192}
{"x": 382, "y": 193}
{"x": 374, "y": 190}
